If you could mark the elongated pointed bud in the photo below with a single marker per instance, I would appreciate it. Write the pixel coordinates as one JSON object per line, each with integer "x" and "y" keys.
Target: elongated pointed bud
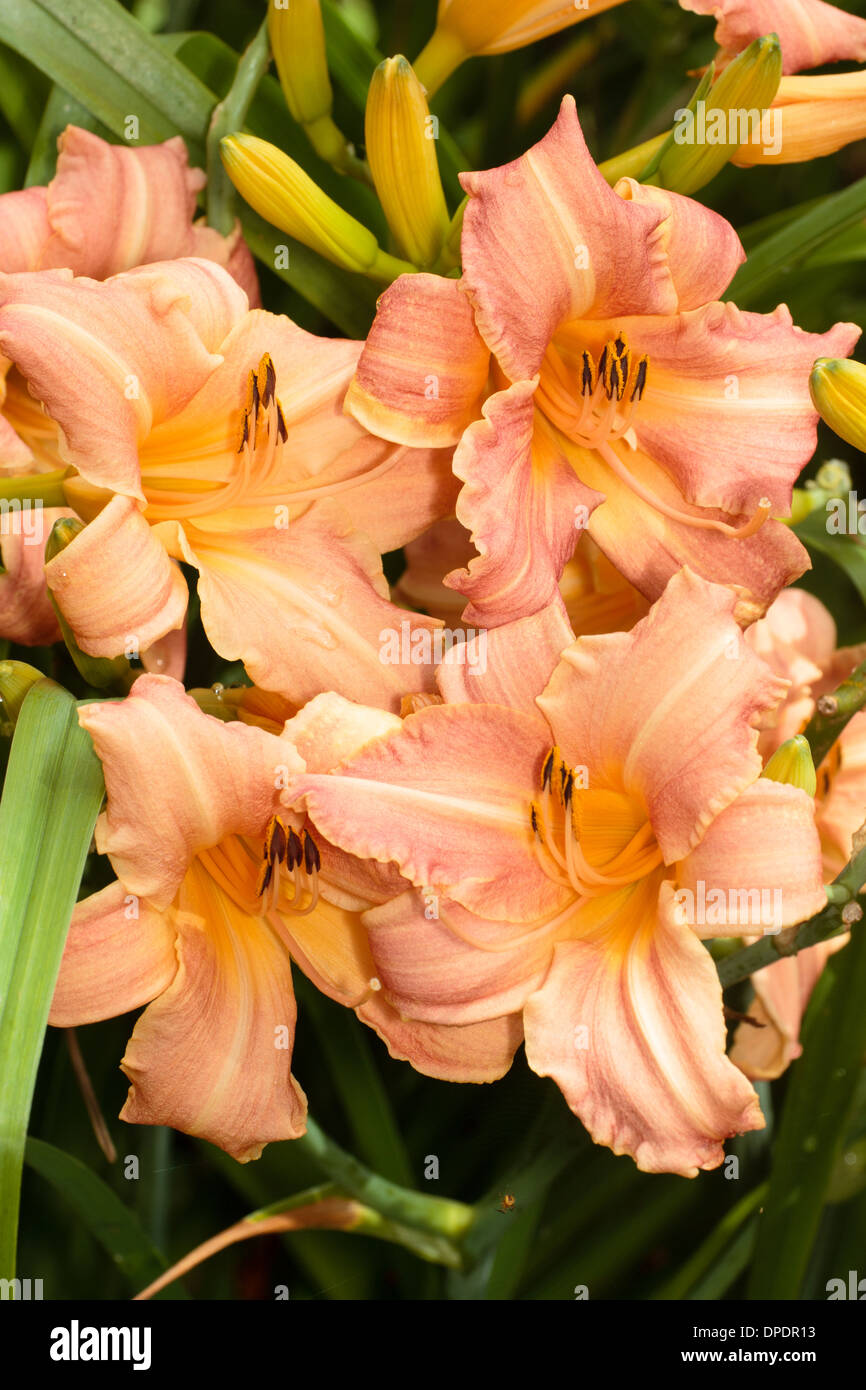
{"x": 99, "y": 671}
{"x": 297, "y": 38}
{"x": 792, "y": 764}
{"x": 838, "y": 390}
{"x": 16, "y": 678}
{"x": 717, "y": 122}
{"x": 400, "y": 136}
{"x": 279, "y": 189}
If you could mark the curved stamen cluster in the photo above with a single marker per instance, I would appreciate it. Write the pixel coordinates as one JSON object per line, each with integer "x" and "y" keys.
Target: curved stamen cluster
{"x": 556, "y": 829}
{"x": 610, "y": 392}
{"x": 288, "y": 855}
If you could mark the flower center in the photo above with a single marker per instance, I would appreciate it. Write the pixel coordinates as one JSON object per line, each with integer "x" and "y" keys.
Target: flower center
{"x": 619, "y": 849}
{"x": 288, "y": 858}
{"x": 596, "y": 404}
{"x": 259, "y": 469}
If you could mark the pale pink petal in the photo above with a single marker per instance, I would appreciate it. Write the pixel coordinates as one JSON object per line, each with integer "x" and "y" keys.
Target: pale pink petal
{"x": 546, "y": 241}
{"x": 632, "y": 1031}
{"x": 727, "y": 410}
{"x": 703, "y": 250}
{"x": 24, "y": 229}
{"x": 444, "y": 546}
{"x": 26, "y": 613}
{"x": 477, "y": 1052}
{"x": 107, "y": 360}
{"x": 508, "y": 665}
{"x": 757, "y": 866}
{"x": 524, "y": 506}
{"x": 797, "y": 638}
{"x": 117, "y": 588}
{"x": 842, "y": 811}
{"x": 330, "y": 729}
{"x": 112, "y": 207}
{"x": 119, "y": 955}
{"x": 648, "y": 547}
{"x": 665, "y": 712}
{"x": 233, "y": 254}
{"x": 423, "y": 371}
{"x": 214, "y": 778}
{"x": 304, "y": 609}
{"x": 432, "y": 970}
{"x": 447, "y": 797}
{"x": 208, "y": 1057}
{"x": 782, "y": 992}
{"x": 812, "y": 33}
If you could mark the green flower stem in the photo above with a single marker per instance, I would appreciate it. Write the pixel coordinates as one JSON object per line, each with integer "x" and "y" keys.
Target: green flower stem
{"x": 229, "y": 115}
{"x": 632, "y": 162}
{"x": 822, "y": 927}
{"x": 438, "y": 1216}
{"x": 834, "y": 712}
{"x": 46, "y": 488}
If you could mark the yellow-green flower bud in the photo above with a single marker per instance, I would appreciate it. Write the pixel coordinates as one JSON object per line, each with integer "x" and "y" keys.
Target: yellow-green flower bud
{"x": 716, "y": 123}
{"x": 792, "y": 764}
{"x": 838, "y": 390}
{"x": 298, "y": 44}
{"x": 400, "y": 136}
{"x": 279, "y": 189}
{"x": 16, "y": 678}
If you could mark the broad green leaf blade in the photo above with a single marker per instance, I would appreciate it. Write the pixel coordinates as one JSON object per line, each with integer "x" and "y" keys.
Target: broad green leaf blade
{"x": 814, "y": 1123}
{"x": 103, "y": 1213}
{"x": 95, "y": 50}
{"x": 844, "y": 550}
{"x": 51, "y": 797}
{"x": 789, "y": 247}
{"x": 716, "y": 1249}
{"x": 23, "y": 91}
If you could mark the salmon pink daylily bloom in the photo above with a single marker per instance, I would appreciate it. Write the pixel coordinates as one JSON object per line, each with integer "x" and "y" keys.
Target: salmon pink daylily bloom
{"x": 218, "y": 890}
{"x": 812, "y": 33}
{"x": 798, "y": 639}
{"x": 107, "y": 209}
{"x": 557, "y": 832}
{"x": 625, "y": 397}
{"x": 207, "y": 433}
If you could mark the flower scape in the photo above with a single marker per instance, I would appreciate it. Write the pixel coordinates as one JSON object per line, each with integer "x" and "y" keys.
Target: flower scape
{"x": 433, "y": 649}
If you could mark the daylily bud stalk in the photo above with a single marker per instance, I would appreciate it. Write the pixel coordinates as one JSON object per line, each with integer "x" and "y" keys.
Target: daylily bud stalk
{"x": 838, "y": 389}
{"x": 279, "y": 189}
{"x": 401, "y": 150}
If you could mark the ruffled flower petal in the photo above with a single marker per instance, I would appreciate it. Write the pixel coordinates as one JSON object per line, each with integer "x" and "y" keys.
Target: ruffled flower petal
{"x": 546, "y": 241}
{"x": 423, "y": 371}
{"x": 812, "y": 33}
{"x": 477, "y": 1052}
{"x": 679, "y": 738}
{"x": 119, "y": 955}
{"x": 630, "y": 1026}
{"x": 214, "y": 779}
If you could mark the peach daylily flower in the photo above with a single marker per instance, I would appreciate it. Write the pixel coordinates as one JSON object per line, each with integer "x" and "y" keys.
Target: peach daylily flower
{"x": 212, "y": 434}
{"x": 811, "y": 32}
{"x": 553, "y": 830}
{"x": 107, "y": 209}
{"x": 217, "y": 892}
{"x": 798, "y": 638}
{"x": 626, "y": 398}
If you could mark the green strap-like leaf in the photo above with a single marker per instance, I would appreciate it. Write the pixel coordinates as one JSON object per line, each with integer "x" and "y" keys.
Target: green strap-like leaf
{"x": 103, "y": 1213}
{"x": 814, "y": 1123}
{"x": 51, "y": 797}
{"x": 789, "y": 247}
